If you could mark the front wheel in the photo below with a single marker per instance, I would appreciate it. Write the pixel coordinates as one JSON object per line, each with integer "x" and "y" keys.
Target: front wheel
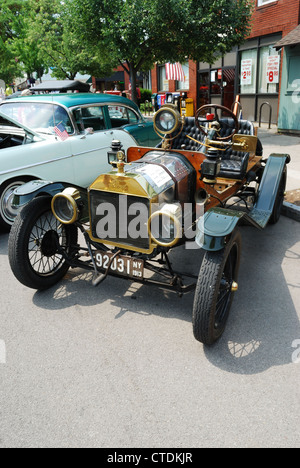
{"x": 35, "y": 241}
{"x": 215, "y": 289}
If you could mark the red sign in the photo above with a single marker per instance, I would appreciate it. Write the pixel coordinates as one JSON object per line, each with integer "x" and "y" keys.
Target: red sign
{"x": 246, "y": 72}
{"x": 273, "y": 69}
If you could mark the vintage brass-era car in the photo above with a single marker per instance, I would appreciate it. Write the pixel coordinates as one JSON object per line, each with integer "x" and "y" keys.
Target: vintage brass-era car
{"x": 206, "y": 177}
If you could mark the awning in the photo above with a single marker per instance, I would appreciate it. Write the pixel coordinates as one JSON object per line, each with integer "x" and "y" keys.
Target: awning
{"x": 62, "y": 86}
{"x": 293, "y": 38}
{"x": 117, "y": 76}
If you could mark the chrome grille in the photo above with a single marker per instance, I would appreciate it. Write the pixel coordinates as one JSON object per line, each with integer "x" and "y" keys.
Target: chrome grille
{"x": 120, "y": 219}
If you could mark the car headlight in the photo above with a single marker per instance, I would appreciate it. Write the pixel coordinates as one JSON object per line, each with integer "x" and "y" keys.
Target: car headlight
{"x": 64, "y": 206}
{"x": 165, "y": 226}
{"x": 166, "y": 120}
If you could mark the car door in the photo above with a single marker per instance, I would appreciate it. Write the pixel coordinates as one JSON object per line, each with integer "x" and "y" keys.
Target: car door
{"x": 133, "y": 123}
{"x": 90, "y": 147}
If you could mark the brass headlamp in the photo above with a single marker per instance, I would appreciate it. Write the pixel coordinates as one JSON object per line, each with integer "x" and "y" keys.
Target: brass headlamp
{"x": 168, "y": 123}
{"x": 64, "y": 206}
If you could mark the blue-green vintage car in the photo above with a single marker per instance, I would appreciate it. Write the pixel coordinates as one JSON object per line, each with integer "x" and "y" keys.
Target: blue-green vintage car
{"x": 63, "y": 137}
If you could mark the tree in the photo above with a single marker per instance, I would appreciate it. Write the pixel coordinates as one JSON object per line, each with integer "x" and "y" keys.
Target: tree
{"x": 19, "y": 53}
{"x": 9, "y": 64}
{"x": 139, "y": 33}
{"x": 51, "y": 28}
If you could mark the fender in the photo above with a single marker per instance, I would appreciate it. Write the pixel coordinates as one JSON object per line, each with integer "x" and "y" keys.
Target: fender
{"x": 218, "y": 223}
{"x": 215, "y": 226}
{"x": 35, "y": 188}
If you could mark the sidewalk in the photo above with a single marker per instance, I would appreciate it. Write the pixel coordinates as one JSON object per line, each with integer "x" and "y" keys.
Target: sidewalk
{"x": 274, "y": 142}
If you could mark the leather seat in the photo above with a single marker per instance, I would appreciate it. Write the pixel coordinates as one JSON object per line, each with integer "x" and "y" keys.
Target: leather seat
{"x": 189, "y": 128}
{"x": 234, "y": 163}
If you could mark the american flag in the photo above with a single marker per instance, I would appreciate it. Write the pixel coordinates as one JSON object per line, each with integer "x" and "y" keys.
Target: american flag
{"x": 61, "y": 132}
{"x": 174, "y": 71}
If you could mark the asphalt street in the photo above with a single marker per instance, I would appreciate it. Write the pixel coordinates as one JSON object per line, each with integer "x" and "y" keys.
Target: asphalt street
{"x": 118, "y": 366}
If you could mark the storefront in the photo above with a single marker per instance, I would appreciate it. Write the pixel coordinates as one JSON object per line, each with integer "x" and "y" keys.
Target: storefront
{"x": 252, "y": 71}
{"x": 114, "y": 82}
{"x": 289, "y": 109}
{"x": 259, "y": 74}
{"x": 165, "y": 85}
{"x": 217, "y": 83}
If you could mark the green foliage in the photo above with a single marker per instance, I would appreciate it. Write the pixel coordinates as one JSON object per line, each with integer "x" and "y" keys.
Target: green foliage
{"x": 142, "y": 32}
{"x": 19, "y": 52}
{"x": 94, "y": 36}
{"x": 9, "y": 29}
{"x": 145, "y": 94}
{"x": 60, "y": 46}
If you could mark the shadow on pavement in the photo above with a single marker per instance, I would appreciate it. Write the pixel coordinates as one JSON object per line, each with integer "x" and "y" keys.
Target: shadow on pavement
{"x": 3, "y": 243}
{"x": 263, "y": 322}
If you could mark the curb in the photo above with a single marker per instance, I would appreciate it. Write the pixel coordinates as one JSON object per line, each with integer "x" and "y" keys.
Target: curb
{"x": 291, "y": 211}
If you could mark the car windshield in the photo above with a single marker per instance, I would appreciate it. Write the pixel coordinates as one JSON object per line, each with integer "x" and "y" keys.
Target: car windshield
{"x": 40, "y": 117}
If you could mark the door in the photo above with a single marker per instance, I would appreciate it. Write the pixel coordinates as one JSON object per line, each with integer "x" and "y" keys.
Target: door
{"x": 90, "y": 156}
{"x": 228, "y": 86}
{"x": 90, "y": 148}
{"x": 127, "y": 119}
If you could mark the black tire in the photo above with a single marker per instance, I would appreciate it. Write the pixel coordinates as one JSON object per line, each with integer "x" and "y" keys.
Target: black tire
{"x": 214, "y": 294}
{"x": 7, "y": 212}
{"x": 279, "y": 199}
{"x": 32, "y": 245}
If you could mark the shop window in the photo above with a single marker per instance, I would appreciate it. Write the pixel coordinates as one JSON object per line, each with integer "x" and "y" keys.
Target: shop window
{"x": 293, "y": 73}
{"x": 268, "y": 70}
{"x": 216, "y": 81}
{"x": 228, "y": 86}
{"x": 186, "y": 83}
{"x": 248, "y": 71}
{"x": 163, "y": 84}
{"x": 264, "y": 2}
{"x": 259, "y": 71}
{"x": 204, "y": 88}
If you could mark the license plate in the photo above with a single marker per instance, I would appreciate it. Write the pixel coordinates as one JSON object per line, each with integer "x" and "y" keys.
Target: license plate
{"x": 121, "y": 265}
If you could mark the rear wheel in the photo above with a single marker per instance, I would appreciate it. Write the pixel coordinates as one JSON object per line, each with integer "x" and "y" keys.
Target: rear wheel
{"x": 34, "y": 245}
{"x": 215, "y": 290}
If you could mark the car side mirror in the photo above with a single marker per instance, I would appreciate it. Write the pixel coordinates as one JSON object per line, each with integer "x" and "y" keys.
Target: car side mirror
{"x": 87, "y": 131}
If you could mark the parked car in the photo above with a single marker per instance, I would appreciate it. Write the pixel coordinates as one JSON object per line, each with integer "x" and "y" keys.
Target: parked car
{"x": 207, "y": 178}
{"x": 63, "y": 137}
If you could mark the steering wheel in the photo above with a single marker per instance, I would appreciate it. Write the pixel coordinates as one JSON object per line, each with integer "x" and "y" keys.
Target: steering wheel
{"x": 207, "y": 108}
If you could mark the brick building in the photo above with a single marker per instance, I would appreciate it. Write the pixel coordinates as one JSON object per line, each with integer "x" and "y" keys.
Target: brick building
{"x": 252, "y": 70}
